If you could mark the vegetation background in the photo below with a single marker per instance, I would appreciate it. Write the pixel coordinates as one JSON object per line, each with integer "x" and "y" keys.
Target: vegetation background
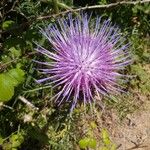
{"x": 28, "y": 119}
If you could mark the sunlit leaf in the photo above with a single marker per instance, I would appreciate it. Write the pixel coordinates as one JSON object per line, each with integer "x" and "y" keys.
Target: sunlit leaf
{"x": 8, "y": 81}
{"x": 7, "y": 24}
{"x": 6, "y": 88}
{"x": 105, "y": 137}
{"x": 83, "y": 143}
{"x": 92, "y": 143}
{"x": 16, "y": 75}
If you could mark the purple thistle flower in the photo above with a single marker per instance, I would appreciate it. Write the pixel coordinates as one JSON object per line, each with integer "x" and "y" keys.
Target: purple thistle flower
{"x": 87, "y": 57}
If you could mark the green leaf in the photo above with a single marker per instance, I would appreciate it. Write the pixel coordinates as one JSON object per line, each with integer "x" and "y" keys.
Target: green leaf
{"x": 83, "y": 143}
{"x": 6, "y": 88}
{"x": 92, "y": 143}
{"x": 8, "y": 81}
{"x": 105, "y": 137}
{"x": 87, "y": 142}
{"x": 16, "y": 75}
{"x": 16, "y": 140}
{"x": 7, "y": 24}
{"x": 93, "y": 124}
{"x": 15, "y": 52}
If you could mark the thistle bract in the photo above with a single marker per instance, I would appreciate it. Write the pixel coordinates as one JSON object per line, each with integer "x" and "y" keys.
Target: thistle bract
{"x": 86, "y": 58}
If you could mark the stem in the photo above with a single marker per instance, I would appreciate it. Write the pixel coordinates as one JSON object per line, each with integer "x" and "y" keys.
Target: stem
{"x": 37, "y": 89}
{"x": 29, "y": 104}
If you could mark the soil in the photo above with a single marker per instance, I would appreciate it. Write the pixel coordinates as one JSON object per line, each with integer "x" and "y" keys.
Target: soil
{"x": 133, "y": 133}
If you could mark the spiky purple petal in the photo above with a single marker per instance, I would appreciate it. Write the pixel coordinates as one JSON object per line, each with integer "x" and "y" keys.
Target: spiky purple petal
{"x": 86, "y": 57}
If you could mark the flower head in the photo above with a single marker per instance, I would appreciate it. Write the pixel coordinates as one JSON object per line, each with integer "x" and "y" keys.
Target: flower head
{"x": 87, "y": 56}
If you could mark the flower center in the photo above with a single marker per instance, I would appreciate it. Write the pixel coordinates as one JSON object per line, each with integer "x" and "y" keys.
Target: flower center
{"x": 85, "y": 67}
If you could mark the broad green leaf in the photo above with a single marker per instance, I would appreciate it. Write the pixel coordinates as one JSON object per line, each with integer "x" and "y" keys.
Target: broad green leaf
{"x": 6, "y": 88}
{"x": 16, "y": 75}
{"x": 8, "y": 81}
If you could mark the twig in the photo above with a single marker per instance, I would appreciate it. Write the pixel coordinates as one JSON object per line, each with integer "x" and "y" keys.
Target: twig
{"x": 107, "y": 6}
{"x": 13, "y": 6}
{"x": 29, "y": 104}
{"x": 37, "y": 89}
{"x": 137, "y": 147}
{"x": 118, "y": 146}
{"x": 6, "y": 106}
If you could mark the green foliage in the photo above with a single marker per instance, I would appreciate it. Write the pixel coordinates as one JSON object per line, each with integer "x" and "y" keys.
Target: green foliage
{"x": 52, "y": 127}
{"x": 143, "y": 78}
{"x": 14, "y": 52}
{"x": 8, "y": 24}
{"x": 13, "y": 142}
{"x": 90, "y": 142}
{"x": 105, "y": 137}
{"x": 108, "y": 144}
{"x": 6, "y": 88}
{"x": 145, "y": 9}
{"x": 87, "y": 143}
{"x": 103, "y": 2}
{"x": 16, "y": 76}
{"x": 8, "y": 81}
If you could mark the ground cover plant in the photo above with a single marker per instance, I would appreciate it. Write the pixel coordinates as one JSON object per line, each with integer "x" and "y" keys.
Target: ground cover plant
{"x": 29, "y": 117}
